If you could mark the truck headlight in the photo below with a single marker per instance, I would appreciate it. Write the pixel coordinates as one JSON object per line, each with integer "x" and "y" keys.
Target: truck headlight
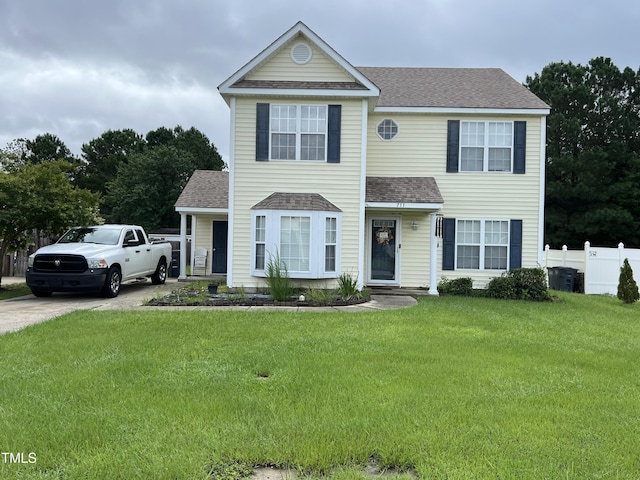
{"x": 30, "y": 260}
{"x": 97, "y": 263}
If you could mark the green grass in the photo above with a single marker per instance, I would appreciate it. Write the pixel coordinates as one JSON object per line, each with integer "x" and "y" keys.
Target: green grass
{"x": 452, "y": 388}
{"x": 13, "y": 290}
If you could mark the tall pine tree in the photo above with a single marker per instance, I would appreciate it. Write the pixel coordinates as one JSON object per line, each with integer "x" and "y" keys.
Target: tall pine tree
{"x": 593, "y": 153}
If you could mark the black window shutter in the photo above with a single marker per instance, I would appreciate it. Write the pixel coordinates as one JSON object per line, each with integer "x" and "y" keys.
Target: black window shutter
{"x": 333, "y": 140}
{"x": 262, "y": 132}
{"x": 453, "y": 145}
{"x": 448, "y": 243}
{"x": 519, "y": 146}
{"x": 515, "y": 255}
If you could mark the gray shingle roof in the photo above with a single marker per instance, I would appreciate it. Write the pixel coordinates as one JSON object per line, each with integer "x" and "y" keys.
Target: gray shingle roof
{"x": 292, "y": 85}
{"x": 450, "y": 88}
{"x": 296, "y": 201}
{"x": 402, "y": 190}
{"x": 205, "y": 189}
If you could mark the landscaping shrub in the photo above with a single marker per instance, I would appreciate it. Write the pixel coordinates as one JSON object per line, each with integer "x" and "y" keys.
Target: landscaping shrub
{"x": 627, "y": 286}
{"x": 458, "y": 286}
{"x": 319, "y": 295}
{"x": 520, "y": 284}
{"x": 347, "y": 287}
{"x": 280, "y": 286}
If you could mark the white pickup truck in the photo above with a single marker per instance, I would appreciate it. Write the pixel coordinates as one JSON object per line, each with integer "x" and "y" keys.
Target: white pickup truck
{"x": 97, "y": 259}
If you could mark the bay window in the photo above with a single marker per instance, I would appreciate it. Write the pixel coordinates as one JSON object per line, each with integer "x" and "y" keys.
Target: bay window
{"x": 305, "y": 241}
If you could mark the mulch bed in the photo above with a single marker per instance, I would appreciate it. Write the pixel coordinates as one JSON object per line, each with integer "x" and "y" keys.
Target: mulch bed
{"x": 249, "y": 301}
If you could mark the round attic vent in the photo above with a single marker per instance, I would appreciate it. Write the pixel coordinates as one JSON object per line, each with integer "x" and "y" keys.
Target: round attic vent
{"x": 301, "y": 53}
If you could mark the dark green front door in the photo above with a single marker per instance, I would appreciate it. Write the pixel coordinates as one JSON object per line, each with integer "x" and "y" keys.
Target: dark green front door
{"x": 383, "y": 250}
{"x": 219, "y": 258}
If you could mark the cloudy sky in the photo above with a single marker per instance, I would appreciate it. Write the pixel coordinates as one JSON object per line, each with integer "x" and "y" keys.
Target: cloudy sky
{"x": 76, "y": 68}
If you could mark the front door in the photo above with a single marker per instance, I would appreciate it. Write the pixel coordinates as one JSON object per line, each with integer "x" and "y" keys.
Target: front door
{"x": 384, "y": 251}
{"x": 219, "y": 257}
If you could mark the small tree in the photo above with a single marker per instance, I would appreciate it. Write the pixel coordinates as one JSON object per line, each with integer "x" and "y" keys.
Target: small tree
{"x": 627, "y": 286}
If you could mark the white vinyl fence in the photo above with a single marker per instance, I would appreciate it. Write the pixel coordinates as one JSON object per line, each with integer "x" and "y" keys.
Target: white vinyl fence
{"x": 600, "y": 265}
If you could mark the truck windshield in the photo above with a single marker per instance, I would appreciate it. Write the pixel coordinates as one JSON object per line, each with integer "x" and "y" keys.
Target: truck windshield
{"x": 105, "y": 236}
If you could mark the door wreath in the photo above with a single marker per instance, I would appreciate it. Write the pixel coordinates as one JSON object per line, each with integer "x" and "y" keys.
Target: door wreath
{"x": 383, "y": 236}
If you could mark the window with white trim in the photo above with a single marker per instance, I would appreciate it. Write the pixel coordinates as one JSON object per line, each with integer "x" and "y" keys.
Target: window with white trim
{"x": 486, "y": 146}
{"x": 260, "y": 237}
{"x": 295, "y": 242}
{"x": 482, "y": 244}
{"x": 298, "y": 132}
{"x": 387, "y": 129}
{"x": 307, "y": 242}
{"x": 331, "y": 244}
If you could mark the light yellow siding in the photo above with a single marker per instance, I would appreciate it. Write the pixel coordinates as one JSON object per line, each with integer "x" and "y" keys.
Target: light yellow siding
{"x": 320, "y": 68}
{"x": 420, "y": 149}
{"x": 337, "y": 182}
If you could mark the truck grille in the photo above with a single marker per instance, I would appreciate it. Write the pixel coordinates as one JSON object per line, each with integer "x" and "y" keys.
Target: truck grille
{"x": 60, "y": 263}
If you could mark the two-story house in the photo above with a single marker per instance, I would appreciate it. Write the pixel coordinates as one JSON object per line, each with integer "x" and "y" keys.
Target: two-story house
{"x": 397, "y": 176}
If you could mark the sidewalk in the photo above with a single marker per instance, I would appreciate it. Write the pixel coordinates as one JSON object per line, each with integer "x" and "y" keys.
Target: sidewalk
{"x": 9, "y": 280}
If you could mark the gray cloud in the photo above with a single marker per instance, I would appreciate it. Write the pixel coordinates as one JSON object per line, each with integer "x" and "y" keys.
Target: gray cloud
{"x": 76, "y": 68}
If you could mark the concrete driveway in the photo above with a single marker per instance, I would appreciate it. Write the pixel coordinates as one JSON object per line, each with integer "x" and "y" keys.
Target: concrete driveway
{"x": 20, "y": 312}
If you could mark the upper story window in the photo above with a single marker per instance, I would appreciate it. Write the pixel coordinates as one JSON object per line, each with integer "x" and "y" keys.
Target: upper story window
{"x": 298, "y": 132}
{"x": 387, "y": 129}
{"x": 486, "y": 146}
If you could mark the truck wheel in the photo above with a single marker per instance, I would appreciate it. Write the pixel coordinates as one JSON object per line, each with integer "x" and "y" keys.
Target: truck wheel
{"x": 112, "y": 283}
{"x": 40, "y": 293}
{"x": 160, "y": 275}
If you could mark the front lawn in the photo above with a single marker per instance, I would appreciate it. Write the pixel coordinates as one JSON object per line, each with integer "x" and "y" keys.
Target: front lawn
{"x": 452, "y": 388}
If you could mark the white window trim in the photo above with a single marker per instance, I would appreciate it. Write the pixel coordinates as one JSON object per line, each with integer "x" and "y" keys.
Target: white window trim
{"x": 482, "y": 244}
{"x": 298, "y": 132}
{"x": 485, "y": 159}
{"x": 316, "y": 247}
{"x": 387, "y": 139}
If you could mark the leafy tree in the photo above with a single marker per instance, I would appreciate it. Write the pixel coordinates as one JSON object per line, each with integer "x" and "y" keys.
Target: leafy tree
{"x": 146, "y": 187}
{"x": 627, "y": 286}
{"x": 193, "y": 141}
{"x": 593, "y": 147}
{"x": 106, "y": 159}
{"x": 40, "y": 197}
{"x": 46, "y": 148}
{"x": 103, "y": 155}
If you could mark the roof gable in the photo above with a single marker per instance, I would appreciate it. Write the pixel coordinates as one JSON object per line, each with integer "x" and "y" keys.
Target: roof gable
{"x": 281, "y": 65}
{"x": 326, "y": 73}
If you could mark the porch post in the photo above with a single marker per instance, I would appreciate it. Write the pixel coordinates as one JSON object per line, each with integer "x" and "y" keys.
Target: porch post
{"x": 183, "y": 246}
{"x": 433, "y": 262}
{"x": 194, "y": 232}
